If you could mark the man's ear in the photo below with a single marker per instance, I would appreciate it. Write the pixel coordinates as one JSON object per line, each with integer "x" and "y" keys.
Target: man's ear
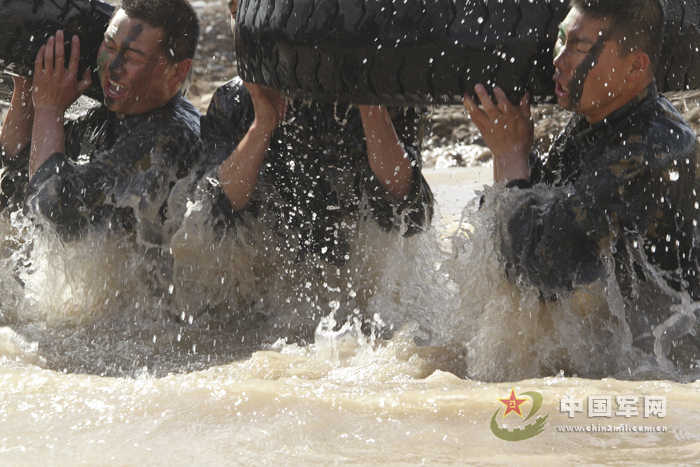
{"x": 182, "y": 70}
{"x": 640, "y": 65}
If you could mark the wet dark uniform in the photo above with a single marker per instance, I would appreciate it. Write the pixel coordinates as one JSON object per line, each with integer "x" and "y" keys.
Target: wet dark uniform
{"x": 116, "y": 172}
{"x": 626, "y": 183}
{"x": 315, "y": 176}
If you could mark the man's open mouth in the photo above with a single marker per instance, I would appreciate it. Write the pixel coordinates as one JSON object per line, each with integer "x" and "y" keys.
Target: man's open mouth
{"x": 559, "y": 90}
{"x": 114, "y": 90}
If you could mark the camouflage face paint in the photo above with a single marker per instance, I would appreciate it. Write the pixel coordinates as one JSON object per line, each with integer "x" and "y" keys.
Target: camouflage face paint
{"x": 581, "y": 73}
{"x": 118, "y": 61}
{"x": 101, "y": 60}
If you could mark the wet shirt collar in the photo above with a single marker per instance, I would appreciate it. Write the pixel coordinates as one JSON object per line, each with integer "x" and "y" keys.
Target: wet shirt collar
{"x": 588, "y": 135}
{"x": 132, "y": 121}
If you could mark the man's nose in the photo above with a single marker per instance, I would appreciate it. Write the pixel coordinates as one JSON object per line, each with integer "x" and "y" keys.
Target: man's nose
{"x": 561, "y": 61}
{"x": 116, "y": 63}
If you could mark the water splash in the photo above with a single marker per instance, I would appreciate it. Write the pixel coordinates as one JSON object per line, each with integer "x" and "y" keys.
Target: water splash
{"x": 399, "y": 307}
{"x": 511, "y": 331}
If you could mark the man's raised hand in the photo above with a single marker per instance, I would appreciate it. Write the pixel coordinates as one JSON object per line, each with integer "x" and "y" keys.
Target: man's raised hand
{"x": 54, "y": 85}
{"x": 507, "y": 130}
{"x": 269, "y": 105}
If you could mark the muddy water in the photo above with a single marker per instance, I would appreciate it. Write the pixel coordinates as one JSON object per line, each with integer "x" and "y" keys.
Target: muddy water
{"x": 400, "y": 357}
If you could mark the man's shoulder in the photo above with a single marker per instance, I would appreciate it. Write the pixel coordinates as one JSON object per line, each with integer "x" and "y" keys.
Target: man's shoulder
{"x": 232, "y": 87}
{"x": 228, "y": 97}
{"x": 660, "y": 128}
{"x": 180, "y": 115}
{"x": 661, "y": 118}
{"x": 229, "y": 112}
{"x": 671, "y": 119}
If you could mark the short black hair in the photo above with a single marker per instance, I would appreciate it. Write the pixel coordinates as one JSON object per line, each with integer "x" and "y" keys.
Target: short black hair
{"x": 176, "y": 18}
{"x": 636, "y": 24}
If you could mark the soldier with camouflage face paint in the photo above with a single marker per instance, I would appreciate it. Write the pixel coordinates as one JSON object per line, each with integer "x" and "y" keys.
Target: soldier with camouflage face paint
{"x": 620, "y": 178}
{"x": 114, "y": 166}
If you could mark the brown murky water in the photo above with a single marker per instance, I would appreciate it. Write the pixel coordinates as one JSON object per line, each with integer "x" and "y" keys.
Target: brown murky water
{"x": 96, "y": 370}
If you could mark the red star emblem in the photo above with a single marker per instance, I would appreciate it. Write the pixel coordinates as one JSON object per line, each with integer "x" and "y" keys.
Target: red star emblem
{"x": 513, "y": 404}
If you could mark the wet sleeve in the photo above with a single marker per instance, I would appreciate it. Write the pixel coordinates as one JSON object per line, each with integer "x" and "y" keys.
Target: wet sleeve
{"x": 414, "y": 212}
{"x": 226, "y": 122}
{"x": 130, "y": 181}
{"x": 13, "y": 177}
{"x": 56, "y": 193}
{"x": 74, "y": 130}
{"x": 15, "y": 163}
{"x": 215, "y": 206}
{"x": 543, "y": 239}
{"x": 550, "y": 236}
{"x": 228, "y": 117}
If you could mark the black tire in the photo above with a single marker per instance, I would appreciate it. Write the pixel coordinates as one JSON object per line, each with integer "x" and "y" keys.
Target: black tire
{"x": 26, "y": 24}
{"x": 679, "y": 67}
{"x": 424, "y": 51}
{"x": 382, "y": 51}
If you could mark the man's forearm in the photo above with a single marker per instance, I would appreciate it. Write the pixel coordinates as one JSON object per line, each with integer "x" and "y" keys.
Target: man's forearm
{"x": 508, "y": 168}
{"x": 387, "y": 157}
{"x": 47, "y": 137}
{"x": 239, "y": 173}
{"x": 16, "y": 130}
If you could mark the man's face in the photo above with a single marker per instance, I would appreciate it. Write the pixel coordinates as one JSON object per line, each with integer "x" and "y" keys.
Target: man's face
{"x": 134, "y": 72}
{"x": 590, "y": 73}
